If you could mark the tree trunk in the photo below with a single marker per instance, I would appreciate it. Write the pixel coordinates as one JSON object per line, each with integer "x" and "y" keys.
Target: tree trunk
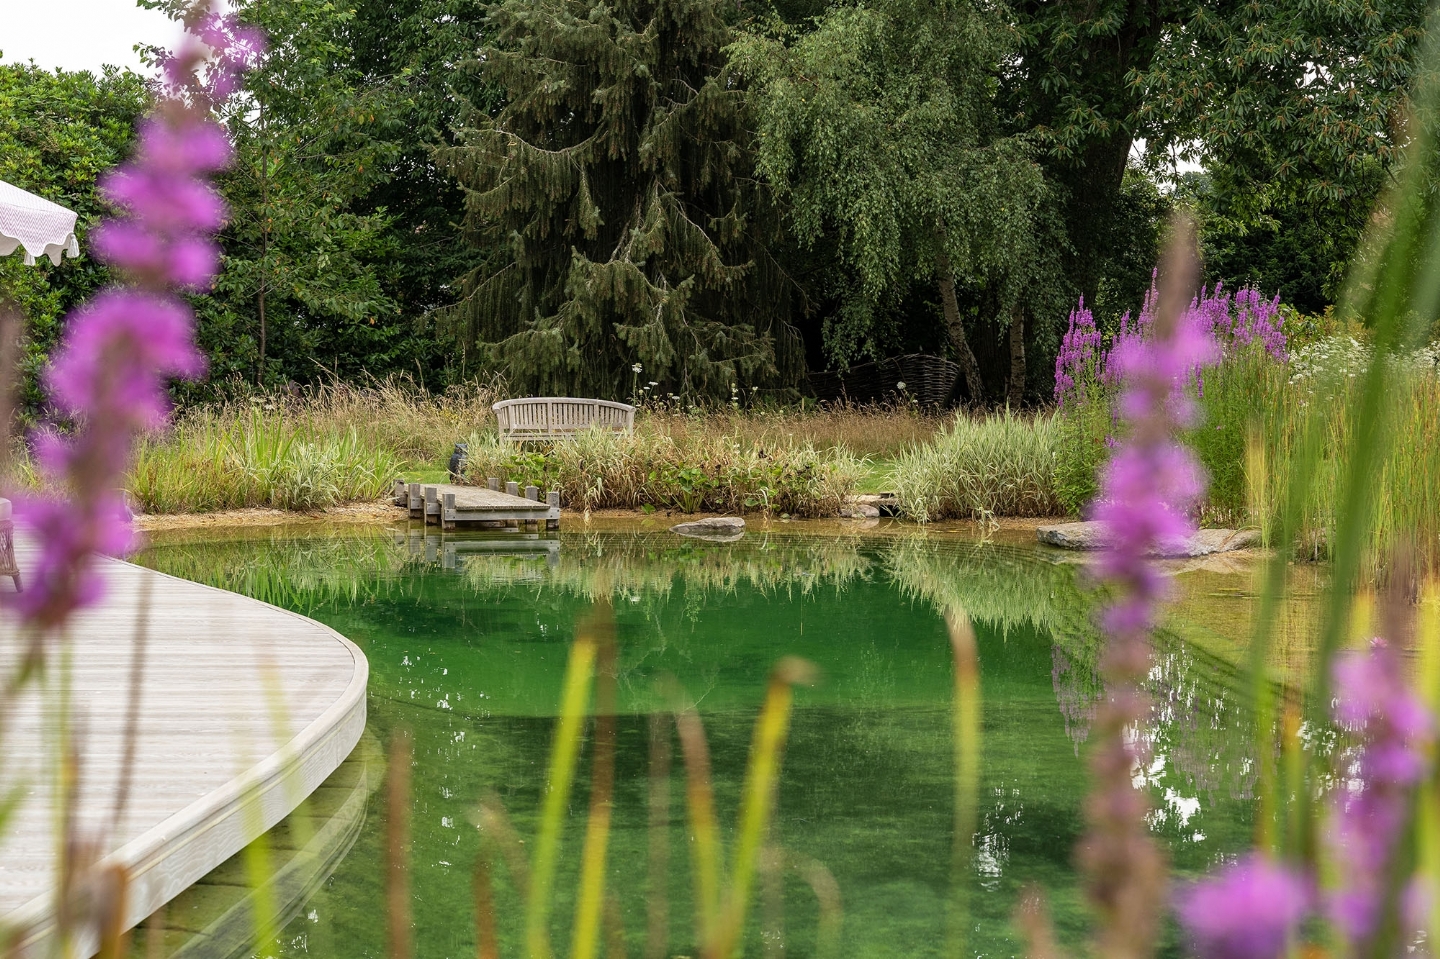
{"x": 969, "y": 368}
{"x": 1015, "y": 394}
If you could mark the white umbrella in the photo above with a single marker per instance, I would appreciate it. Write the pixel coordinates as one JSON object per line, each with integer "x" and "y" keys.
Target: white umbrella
{"x": 41, "y": 227}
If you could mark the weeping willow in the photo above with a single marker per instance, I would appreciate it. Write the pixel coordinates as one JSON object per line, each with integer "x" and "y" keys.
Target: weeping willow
{"x": 614, "y": 208}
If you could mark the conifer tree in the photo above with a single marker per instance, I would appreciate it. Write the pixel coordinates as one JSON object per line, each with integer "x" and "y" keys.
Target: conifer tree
{"x": 612, "y": 202}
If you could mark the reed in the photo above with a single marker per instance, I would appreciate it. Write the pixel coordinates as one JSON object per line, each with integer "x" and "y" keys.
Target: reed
{"x": 212, "y": 461}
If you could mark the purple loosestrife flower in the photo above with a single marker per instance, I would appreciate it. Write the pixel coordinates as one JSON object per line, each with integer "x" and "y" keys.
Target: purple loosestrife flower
{"x": 1079, "y": 351}
{"x": 110, "y": 371}
{"x": 1146, "y": 493}
{"x": 1247, "y": 910}
{"x": 1395, "y": 730}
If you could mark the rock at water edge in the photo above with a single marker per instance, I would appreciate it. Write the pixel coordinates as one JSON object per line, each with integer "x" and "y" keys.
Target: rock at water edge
{"x": 725, "y": 529}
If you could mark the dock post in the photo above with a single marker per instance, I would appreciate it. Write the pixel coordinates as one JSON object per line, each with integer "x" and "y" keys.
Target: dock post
{"x": 417, "y": 502}
{"x": 552, "y": 499}
{"x": 432, "y": 503}
{"x": 512, "y": 488}
{"x": 447, "y": 512}
{"x": 532, "y": 493}
{"x": 493, "y": 482}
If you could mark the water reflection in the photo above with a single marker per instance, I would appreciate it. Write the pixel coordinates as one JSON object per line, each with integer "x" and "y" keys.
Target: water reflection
{"x": 466, "y": 636}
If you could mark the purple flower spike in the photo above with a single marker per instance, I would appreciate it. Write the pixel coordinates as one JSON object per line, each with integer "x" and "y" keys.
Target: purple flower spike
{"x": 1247, "y": 910}
{"x": 1146, "y": 492}
{"x": 119, "y": 350}
{"x": 1394, "y": 730}
{"x": 1079, "y": 351}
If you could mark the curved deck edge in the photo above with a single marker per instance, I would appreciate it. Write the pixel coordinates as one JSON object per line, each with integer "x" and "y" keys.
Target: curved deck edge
{"x": 172, "y": 856}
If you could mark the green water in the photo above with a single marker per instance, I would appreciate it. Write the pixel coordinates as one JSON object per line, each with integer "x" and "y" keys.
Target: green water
{"x": 467, "y": 651}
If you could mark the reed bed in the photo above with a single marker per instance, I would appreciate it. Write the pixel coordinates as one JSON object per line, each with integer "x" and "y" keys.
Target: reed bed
{"x": 880, "y": 432}
{"x": 1405, "y": 507}
{"x": 210, "y": 461}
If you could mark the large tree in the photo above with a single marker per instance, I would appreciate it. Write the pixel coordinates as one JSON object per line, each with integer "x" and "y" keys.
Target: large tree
{"x": 1297, "y": 111}
{"x": 612, "y": 206}
{"x": 1289, "y": 104}
{"x": 878, "y": 128}
{"x": 343, "y": 234}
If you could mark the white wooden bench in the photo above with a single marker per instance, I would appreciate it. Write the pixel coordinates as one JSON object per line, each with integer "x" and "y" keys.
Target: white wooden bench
{"x": 553, "y": 417}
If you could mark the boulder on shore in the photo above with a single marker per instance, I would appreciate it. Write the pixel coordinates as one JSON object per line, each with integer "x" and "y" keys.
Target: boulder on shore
{"x": 717, "y": 529}
{"x": 1090, "y": 535}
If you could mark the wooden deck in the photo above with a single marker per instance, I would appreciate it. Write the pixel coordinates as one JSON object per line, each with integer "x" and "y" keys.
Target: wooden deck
{"x": 245, "y": 709}
{"x": 450, "y": 506}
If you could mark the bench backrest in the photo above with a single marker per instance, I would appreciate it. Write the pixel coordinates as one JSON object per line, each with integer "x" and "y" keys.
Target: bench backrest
{"x": 550, "y": 417}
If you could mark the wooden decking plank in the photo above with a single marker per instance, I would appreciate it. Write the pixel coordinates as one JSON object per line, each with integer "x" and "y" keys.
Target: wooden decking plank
{"x": 206, "y": 735}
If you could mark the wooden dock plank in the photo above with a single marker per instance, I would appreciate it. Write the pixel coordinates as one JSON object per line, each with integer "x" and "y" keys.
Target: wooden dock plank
{"x": 245, "y": 709}
{"x": 478, "y": 497}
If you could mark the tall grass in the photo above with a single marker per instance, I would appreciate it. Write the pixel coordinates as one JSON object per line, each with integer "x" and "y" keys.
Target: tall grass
{"x": 213, "y": 462}
{"x": 339, "y": 442}
{"x": 1276, "y": 406}
{"x": 1000, "y": 465}
{"x": 332, "y": 444}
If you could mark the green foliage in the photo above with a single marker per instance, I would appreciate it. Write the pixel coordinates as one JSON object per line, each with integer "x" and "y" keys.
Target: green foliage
{"x": 1085, "y": 426}
{"x": 1229, "y": 425}
{"x": 1296, "y": 109}
{"x": 59, "y": 132}
{"x": 877, "y": 127}
{"x": 212, "y": 462}
{"x": 1001, "y": 465}
{"x": 338, "y": 214}
{"x": 312, "y": 139}
{"x": 612, "y": 206}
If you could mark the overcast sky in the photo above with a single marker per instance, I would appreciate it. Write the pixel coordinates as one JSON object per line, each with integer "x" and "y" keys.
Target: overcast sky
{"x": 79, "y": 34}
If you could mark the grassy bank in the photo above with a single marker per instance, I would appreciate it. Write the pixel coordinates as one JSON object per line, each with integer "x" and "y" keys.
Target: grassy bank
{"x": 339, "y": 444}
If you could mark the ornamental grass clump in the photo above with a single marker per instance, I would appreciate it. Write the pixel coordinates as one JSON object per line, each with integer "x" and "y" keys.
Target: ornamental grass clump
{"x": 980, "y": 468}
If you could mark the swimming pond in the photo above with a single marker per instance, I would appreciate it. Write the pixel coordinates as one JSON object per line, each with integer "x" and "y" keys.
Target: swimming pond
{"x": 467, "y": 639}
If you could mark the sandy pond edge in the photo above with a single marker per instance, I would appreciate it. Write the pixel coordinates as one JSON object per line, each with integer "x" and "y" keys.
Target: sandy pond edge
{"x": 381, "y": 511}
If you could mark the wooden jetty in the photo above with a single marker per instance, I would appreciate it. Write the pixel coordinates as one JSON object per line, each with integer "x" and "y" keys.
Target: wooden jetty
{"x": 244, "y": 710}
{"x": 485, "y": 507}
